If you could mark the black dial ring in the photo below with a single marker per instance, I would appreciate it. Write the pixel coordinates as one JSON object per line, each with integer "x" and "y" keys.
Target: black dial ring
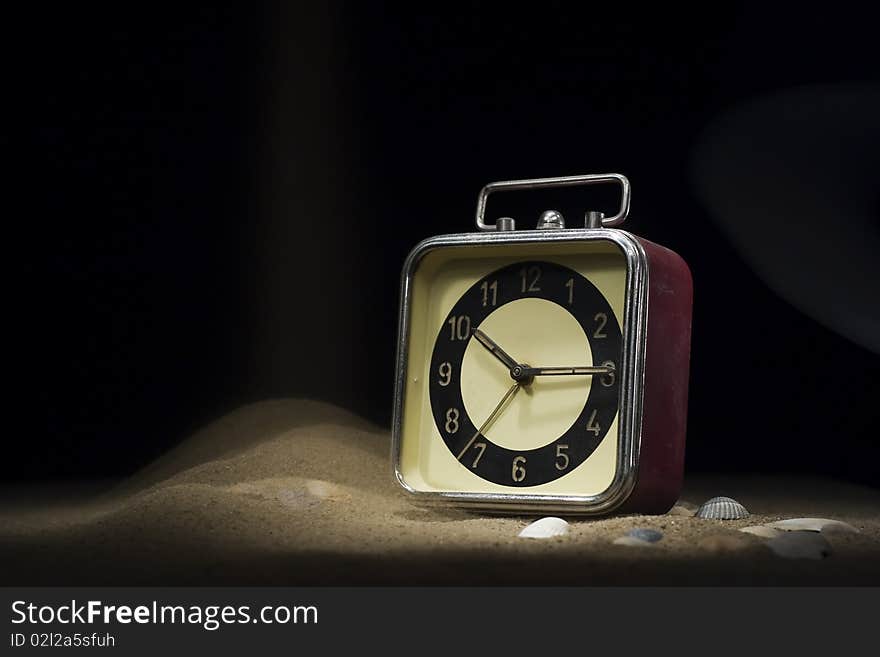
{"x": 560, "y": 454}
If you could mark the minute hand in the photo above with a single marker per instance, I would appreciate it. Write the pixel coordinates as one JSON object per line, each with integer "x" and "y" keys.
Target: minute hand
{"x": 566, "y": 371}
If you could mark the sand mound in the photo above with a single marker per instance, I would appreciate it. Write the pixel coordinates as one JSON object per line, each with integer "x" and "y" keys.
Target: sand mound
{"x": 300, "y": 492}
{"x": 244, "y": 428}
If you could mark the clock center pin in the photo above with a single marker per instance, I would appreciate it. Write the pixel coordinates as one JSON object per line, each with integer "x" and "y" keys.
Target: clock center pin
{"x": 521, "y": 374}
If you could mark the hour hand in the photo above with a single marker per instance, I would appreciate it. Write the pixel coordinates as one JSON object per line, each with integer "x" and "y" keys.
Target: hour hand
{"x": 497, "y": 351}
{"x": 528, "y": 372}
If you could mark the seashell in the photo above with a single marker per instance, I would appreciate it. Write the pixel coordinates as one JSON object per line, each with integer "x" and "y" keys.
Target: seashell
{"x": 800, "y": 545}
{"x": 645, "y": 534}
{"x": 545, "y": 528}
{"x": 722, "y": 508}
{"x": 764, "y": 531}
{"x": 632, "y": 542}
{"x": 823, "y": 525}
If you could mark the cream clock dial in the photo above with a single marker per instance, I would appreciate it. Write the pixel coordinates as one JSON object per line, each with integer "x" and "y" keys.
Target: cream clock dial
{"x": 504, "y": 404}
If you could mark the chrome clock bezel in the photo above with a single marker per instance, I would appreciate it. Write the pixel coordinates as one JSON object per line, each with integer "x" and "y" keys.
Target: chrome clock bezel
{"x": 631, "y": 387}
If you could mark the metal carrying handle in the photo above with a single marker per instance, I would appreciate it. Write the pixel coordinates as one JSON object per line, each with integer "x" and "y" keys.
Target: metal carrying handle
{"x": 564, "y": 181}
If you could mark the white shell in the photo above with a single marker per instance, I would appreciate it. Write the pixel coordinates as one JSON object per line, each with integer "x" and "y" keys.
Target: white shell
{"x": 800, "y": 545}
{"x": 764, "y": 531}
{"x": 813, "y": 525}
{"x": 545, "y": 528}
{"x": 722, "y": 508}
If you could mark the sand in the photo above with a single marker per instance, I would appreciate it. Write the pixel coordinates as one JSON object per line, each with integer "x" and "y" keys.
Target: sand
{"x": 299, "y": 492}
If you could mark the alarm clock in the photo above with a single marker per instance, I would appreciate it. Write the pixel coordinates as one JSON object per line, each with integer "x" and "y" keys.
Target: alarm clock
{"x": 543, "y": 370}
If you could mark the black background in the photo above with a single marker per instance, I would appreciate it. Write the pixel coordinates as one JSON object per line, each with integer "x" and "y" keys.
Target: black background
{"x": 213, "y": 204}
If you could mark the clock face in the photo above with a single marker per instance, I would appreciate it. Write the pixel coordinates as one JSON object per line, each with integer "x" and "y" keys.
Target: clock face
{"x": 515, "y": 370}
{"x": 503, "y": 406}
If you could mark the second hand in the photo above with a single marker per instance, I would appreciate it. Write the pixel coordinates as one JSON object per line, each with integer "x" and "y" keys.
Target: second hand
{"x": 508, "y": 395}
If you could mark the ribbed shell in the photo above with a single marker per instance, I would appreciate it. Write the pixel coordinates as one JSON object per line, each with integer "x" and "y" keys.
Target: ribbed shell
{"x": 722, "y": 508}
